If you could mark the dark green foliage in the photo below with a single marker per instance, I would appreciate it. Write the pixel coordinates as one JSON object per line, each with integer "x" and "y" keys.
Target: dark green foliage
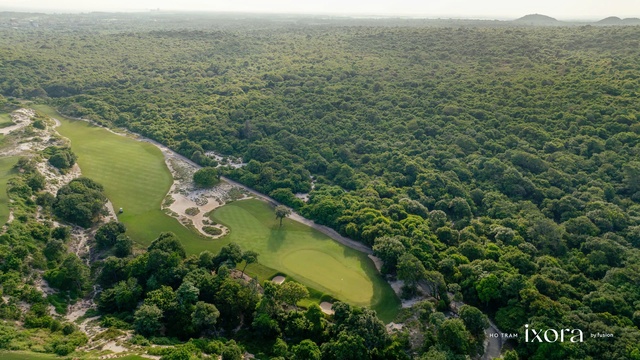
{"x": 168, "y": 243}
{"x": 389, "y": 250}
{"x": 61, "y": 157}
{"x": 232, "y": 351}
{"x": 123, "y": 246}
{"x": 55, "y": 250}
{"x": 61, "y": 233}
{"x": 80, "y": 202}
{"x": 71, "y": 275}
{"x": 206, "y": 177}
{"x": 107, "y": 234}
{"x": 306, "y": 350}
{"x": 148, "y": 320}
{"x": 453, "y": 334}
{"x": 36, "y": 181}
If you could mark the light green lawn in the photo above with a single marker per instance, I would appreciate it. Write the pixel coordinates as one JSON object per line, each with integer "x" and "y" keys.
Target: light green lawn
{"x": 134, "y": 177}
{"x": 26, "y": 355}
{"x": 6, "y": 172}
{"x": 307, "y": 255}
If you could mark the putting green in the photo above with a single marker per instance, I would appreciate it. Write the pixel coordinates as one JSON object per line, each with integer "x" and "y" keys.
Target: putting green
{"x": 324, "y": 269}
{"x": 307, "y": 256}
{"x": 6, "y": 172}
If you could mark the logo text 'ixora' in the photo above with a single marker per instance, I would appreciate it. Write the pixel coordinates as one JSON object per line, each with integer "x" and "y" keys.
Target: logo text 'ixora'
{"x": 552, "y": 335}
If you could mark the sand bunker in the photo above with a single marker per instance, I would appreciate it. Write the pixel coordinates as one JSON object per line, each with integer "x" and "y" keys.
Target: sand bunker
{"x": 327, "y": 308}
{"x": 184, "y": 196}
{"x": 183, "y": 202}
{"x": 278, "y": 279}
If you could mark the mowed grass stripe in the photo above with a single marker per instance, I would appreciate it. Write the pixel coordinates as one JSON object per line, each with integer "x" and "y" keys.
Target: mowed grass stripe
{"x": 307, "y": 256}
{"x": 135, "y": 178}
{"x": 6, "y": 172}
{"x": 25, "y": 355}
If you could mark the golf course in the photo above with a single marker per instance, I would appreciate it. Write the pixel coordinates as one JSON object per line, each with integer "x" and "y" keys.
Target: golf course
{"x": 306, "y": 255}
{"x": 136, "y": 178}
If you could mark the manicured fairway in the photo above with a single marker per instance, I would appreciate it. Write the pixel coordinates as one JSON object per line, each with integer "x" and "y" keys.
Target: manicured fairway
{"x": 6, "y": 172}
{"x": 26, "y": 355}
{"x": 134, "y": 176}
{"x": 307, "y": 255}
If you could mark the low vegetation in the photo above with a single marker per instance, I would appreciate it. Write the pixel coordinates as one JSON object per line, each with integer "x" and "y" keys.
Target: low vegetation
{"x": 60, "y": 157}
{"x": 28, "y": 248}
{"x": 212, "y": 230}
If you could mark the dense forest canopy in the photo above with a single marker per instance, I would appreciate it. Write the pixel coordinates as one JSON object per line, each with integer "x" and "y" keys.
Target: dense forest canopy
{"x": 497, "y": 164}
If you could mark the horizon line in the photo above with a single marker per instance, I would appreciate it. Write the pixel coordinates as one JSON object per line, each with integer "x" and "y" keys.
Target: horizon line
{"x": 406, "y": 16}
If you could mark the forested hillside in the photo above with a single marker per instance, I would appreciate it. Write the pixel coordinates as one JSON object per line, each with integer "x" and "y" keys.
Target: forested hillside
{"x": 497, "y": 165}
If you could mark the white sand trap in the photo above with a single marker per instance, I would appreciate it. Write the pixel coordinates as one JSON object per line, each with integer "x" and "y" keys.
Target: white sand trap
{"x": 181, "y": 203}
{"x": 327, "y": 307}
{"x": 278, "y": 279}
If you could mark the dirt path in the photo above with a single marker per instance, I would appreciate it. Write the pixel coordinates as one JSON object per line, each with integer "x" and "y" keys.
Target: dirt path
{"x": 492, "y": 344}
{"x": 493, "y": 340}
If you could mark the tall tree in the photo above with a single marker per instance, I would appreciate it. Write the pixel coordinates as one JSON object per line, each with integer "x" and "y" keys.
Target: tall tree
{"x": 249, "y": 257}
{"x": 282, "y": 212}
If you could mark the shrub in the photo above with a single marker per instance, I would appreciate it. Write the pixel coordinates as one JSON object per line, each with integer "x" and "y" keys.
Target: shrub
{"x": 192, "y": 211}
{"x": 212, "y": 230}
{"x": 206, "y": 177}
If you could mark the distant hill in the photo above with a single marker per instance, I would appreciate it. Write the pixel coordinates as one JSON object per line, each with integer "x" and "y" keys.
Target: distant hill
{"x": 611, "y": 20}
{"x": 614, "y": 20}
{"x": 537, "y": 19}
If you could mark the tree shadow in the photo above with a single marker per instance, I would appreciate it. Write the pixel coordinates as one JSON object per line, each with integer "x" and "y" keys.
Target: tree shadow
{"x": 276, "y": 237}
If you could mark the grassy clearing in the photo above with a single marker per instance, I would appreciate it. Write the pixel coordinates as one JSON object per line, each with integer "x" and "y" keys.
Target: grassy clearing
{"x": 6, "y": 172}
{"x": 307, "y": 256}
{"x": 5, "y": 120}
{"x": 25, "y": 355}
{"x": 134, "y": 176}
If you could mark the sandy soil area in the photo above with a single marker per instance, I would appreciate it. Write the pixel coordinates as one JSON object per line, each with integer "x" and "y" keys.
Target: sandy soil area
{"x": 278, "y": 279}
{"x": 21, "y": 118}
{"x": 376, "y": 261}
{"x": 189, "y": 204}
{"x": 327, "y": 308}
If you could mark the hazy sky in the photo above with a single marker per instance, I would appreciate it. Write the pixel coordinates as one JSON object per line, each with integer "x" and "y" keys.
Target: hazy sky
{"x": 562, "y": 9}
